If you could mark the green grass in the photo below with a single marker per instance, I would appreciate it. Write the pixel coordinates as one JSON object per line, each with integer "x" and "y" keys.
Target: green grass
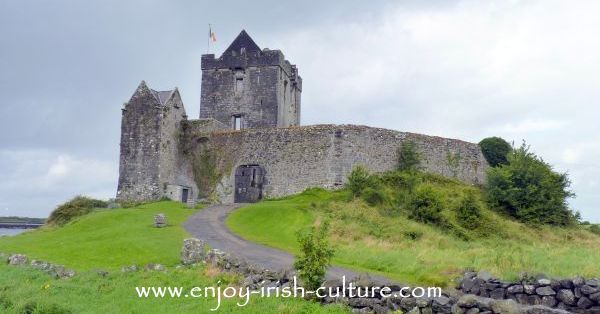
{"x": 385, "y": 241}
{"x": 24, "y": 290}
{"x": 108, "y": 239}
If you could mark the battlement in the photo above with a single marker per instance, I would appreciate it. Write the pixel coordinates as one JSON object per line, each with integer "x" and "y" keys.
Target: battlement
{"x": 262, "y": 58}
{"x": 247, "y": 87}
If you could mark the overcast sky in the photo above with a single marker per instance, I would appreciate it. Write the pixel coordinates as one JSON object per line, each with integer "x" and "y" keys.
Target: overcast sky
{"x": 462, "y": 69}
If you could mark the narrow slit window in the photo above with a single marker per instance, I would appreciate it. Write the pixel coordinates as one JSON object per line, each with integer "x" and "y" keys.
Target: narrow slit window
{"x": 239, "y": 84}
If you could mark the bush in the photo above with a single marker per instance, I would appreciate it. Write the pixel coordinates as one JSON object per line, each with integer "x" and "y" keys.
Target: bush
{"x": 373, "y": 196}
{"x": 358, "y": 180}
{"x": 468, "y": 211}
{"x": 426, "y": 206}
{"x": 78, "y": 206}
{"x": 316, "y": 255}
{"x": 495, "y": 150}
{"x": 595, "y": 229}
{"x": 402, "y": 180}
{"x": 528, "y": 189}
{"x": 409, "y": 157}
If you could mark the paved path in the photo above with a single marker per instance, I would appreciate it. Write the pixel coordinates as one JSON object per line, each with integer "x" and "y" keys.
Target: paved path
{"x": 208, "y": 224}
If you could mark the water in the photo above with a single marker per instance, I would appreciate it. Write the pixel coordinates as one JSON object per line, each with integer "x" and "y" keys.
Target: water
{"x": 11, "y": 231}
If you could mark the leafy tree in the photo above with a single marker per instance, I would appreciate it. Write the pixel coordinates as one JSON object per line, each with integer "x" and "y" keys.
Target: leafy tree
{"x": 409, "y": 157}
{"x": 495, "y": 150}
{"x": 426, "y": 205}
{"x": 315, "y": 257}
{"x": 469, "y": 211}
{"x": 358, "y": 180}
{"x": 528, "y": 189}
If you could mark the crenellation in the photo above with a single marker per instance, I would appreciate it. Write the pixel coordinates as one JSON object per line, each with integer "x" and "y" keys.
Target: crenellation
{"x": 247, "y": 87}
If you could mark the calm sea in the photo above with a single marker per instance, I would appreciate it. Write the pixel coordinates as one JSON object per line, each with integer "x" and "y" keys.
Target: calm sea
{"x": 11, "y": 231}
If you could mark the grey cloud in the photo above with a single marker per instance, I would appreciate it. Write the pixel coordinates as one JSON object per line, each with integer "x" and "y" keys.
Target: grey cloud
{"x": 462, "y": 69}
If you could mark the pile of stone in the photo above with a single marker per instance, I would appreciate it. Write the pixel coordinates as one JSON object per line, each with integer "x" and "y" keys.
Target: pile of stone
{"x": 254, "y": 277}
{"x": 17, "y": 259}
{"x": 148, "y": 267}
{"x": 160, "y": 221}
{"x": 576, "y": 295}
{"x": 155, "y": 267}
{"x": 56, "y": 271}
{"x": 193, "y": 251}
{"x": 394, "y": 303}
{"x": 469, "y": 303}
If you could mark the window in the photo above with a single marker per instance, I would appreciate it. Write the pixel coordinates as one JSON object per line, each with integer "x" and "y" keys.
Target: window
{"x": 239, "y": 85}
{"x": 237, "y": 122}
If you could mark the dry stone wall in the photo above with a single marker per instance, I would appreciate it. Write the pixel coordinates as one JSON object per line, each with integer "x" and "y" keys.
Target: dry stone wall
{"x": 576, "y": 295}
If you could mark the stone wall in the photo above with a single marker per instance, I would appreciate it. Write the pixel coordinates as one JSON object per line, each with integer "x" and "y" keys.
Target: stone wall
{"x": 576, "y": 295}
{"x": 297, "y": 158}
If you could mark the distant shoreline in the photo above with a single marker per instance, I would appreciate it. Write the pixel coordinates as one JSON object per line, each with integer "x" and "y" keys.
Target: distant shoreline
{"x": 20, "y": 225}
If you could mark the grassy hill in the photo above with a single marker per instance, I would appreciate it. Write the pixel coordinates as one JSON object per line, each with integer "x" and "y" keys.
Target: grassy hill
{"x": 108, "y": 239}
{"x": 386, "y": 238}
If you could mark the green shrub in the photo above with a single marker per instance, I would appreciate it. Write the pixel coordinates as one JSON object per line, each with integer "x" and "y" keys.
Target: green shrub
{"x": 78, "y": 206}
{"x": 468, "y": 211}
{"x": 402, "y": 180}
{"x": 426, "y": 205}
{"x": 409, "y": 157}
{"x": 495, "y": 150}
{"x": 528, "y": 189}
{"x": 315, "y": 257}
{"x": 373, "y": 196}
{"x": 358, "y": 180}
{"x": 595, "y": 229}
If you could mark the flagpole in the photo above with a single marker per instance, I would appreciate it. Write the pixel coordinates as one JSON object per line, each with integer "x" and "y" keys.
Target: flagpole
{"x": 208, "y": 40}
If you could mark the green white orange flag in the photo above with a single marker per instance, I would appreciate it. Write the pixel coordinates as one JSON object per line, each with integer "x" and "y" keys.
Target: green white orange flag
{"x": 212, "y": 35}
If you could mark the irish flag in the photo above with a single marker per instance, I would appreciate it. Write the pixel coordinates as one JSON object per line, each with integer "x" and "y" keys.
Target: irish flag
{"x": 211, "y": 34}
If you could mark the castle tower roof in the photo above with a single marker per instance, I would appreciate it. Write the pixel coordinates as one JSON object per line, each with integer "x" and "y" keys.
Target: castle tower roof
{"x": 162, "y": 96}
{"x": 243, "y": 40}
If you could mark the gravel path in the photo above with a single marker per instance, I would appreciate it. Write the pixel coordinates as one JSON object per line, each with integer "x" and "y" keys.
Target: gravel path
{"x": 208, "y": 224}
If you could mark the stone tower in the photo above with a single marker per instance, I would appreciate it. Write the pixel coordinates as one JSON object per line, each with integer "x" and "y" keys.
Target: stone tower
{"x": 250, "y": 88}
{"x": 151, "y": 165}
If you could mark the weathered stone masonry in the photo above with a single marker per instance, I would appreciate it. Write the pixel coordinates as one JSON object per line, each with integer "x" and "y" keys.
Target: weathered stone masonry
{"x": 259, "y": 87}
{"x": 151, "y": 163}
{"x": 323, "y": 155}
{"x": 163, "y": 154}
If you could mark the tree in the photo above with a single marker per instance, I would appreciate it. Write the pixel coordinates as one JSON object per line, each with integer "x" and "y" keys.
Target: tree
{"x": 358, "y": 180}
{"x": 316, "y": 256}
{"x": 495, "y": 150}
{"x": 409, "y": 157}
{"x": 528, "y": 189}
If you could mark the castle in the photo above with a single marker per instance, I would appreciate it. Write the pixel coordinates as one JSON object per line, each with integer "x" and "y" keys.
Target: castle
{"x": 248, "y": 143}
